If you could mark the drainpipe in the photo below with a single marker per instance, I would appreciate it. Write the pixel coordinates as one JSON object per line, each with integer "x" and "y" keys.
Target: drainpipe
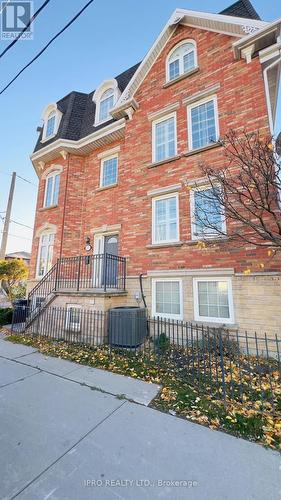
{"x": 64, "y": 205}
{"x": 141, "y": 289}
{"x": 269, "y": 110}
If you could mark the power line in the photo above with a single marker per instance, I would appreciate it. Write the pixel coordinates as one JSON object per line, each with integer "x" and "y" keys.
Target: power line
{"x": 25, "y": 28}
{"x": 46, "y": 46}
{"x": 17, "y": 236}
{"x": 5, "y": 6}
{"x": 20, "y": 224}
{"x": 19, "y": 176}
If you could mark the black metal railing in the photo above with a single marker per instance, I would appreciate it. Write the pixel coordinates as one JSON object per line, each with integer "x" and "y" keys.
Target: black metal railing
{"x": 102, "y": 272}
{"x": 226, "y": 365}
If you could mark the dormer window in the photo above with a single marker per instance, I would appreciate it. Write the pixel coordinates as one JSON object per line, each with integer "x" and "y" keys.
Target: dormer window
{"x": 105, "y": 98}
{"x": 51, "y": 118}
{"x": 106, "y": 103}
{"x": 51, "y": 124}
{"x": 181, "y": 60}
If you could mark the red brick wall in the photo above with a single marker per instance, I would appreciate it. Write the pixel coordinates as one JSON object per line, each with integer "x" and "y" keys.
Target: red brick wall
{"x": 241, "y": 103}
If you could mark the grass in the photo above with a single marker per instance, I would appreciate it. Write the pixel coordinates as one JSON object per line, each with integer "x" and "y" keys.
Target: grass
{"x": 198, "y": 398}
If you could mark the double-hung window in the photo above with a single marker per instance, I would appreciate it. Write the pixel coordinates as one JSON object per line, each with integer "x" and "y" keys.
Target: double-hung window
{"x": 213, "y": 300}
{"x": 45, "y": 254}
{"x": 165, "y": 219}
{"x": 164, "y": 138}
{"x": 167, "y": 298}
{"x": 109, "y": 171}
{"x": 105, "y": 105}
{"x": 52, "y": 189}
{"x": 203, "y": 123}
{"x": 207, "y": 213}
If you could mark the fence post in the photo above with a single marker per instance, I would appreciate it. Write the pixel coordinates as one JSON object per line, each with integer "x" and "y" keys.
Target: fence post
{"x": 57, "y": 272}
{"x": 222, "y": 366}
{"x": 104, "y": 271}
{"x": 79, "y": 271}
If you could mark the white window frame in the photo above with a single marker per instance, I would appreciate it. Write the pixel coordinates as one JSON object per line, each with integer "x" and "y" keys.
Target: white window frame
{"x": 50, "y": 109}
{"x": 189, "y": 120}
{"x": 208, "y": 236}
{"x": 51, "y": 174}
{"x": 73, "y": 327}
{"x": 106, "y": 85}
{"x": 207, "y": 319}
{"x": 45, "y": 233}
{"x": 156, "y": 122}
{"x": 153, "y": 301}
{"x": 154, "y": 201}
{"x": 103, "y": 160}
{"x": 181, "y": 72}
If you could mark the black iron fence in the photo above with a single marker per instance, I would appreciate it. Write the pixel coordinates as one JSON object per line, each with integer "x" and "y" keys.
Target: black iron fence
{"x": 227, "y": 365}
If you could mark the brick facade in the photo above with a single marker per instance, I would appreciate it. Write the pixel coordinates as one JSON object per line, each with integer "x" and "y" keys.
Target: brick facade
{"x": 83, "y": 206}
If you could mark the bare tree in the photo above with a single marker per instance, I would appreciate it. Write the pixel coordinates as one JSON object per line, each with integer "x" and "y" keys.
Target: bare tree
{"x": 245, "y": 193}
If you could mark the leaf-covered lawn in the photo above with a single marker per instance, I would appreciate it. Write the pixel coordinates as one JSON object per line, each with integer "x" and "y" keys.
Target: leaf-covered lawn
{"x": 246, "y": 413}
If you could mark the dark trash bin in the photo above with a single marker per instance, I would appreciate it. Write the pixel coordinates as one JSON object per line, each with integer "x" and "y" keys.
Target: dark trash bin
{"x": 20, "y": 310}
{"x": 127, "y": 326}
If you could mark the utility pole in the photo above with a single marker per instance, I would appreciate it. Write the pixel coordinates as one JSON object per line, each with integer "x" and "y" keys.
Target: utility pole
{"x": 8, "y": 217}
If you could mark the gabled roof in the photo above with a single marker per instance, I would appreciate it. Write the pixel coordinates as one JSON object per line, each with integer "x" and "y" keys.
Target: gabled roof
{"x": 19, "y": 255}
{"x": 242, "y": 8}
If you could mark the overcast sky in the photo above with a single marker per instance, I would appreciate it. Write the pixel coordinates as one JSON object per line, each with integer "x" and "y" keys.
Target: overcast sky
{"x": 110, "y": 37}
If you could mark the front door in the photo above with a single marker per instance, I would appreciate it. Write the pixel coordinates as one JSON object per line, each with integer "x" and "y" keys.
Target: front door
{"x": 111, "y": 263}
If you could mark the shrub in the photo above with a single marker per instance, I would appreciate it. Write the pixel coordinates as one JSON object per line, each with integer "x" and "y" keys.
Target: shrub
{"x": 6, "y": 316}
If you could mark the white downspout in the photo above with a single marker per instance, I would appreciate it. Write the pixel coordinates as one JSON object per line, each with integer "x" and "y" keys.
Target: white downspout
{"x": 269, "y": 110}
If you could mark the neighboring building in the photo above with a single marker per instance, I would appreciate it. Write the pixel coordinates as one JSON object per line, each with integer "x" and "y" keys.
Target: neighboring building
{"x": 25, "y": 256}
{"x": 117, "y": 168}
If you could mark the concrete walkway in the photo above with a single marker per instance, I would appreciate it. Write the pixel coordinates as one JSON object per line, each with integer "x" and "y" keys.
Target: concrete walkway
{"x": 61, "y": 440}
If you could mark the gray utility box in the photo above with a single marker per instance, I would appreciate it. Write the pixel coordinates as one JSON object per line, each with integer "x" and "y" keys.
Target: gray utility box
{"x": 127, "y": 326}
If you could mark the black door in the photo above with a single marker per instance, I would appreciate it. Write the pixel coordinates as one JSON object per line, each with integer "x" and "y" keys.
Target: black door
{"x": 111, "y": 264}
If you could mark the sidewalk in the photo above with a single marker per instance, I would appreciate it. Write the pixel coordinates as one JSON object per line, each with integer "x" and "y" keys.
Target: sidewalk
{"x": 61, "y": 439}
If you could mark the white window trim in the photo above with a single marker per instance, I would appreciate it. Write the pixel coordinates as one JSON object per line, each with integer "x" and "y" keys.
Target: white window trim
{"x": 189, "y": 121}
{"x": 206, "y": 236}
{"x": 106, "y": 85}
{"x": 182, "y": 42}
{"x": 67, "y": 319}
{"x": 164, "y": 197}
{"x": 154, "y": 123}
{"x": 153, "y": 304}
{"x": 53, "y": 174}
{"x": 207, "y": 319}
{"x": 58, "y": 116}
{"x": 110, "y": 157}
{"x": 43, "y": 233}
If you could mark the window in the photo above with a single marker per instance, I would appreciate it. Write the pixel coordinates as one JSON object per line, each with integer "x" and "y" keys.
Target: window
{"x": 45, "y": 254}
{"x": 207, "y": 214}
{"x": 52, "y": 189}
{"x": 50, "y": 127}
{"x": 51, "y": 118}
{"x": 181, "y": 60}
{"x": 167, "y": 298}
{"x": 203, "y": 123}
{"x": 164, "y": 138}
{"x": 73, "y": 317}
{"x": 213, "y": 300}
{"x": 106, "y": 104}
{"x": 165, "y": 219}
{"x": 109, "y": 168}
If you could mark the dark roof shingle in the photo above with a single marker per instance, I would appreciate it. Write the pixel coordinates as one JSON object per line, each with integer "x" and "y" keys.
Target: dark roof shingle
{"x": 242, "y": 8}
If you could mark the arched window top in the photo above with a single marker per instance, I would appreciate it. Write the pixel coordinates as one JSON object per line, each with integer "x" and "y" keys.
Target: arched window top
{"x": 51, "y": 118}
{"x": 105, "y": 98}
{"x": 181, "y": 59}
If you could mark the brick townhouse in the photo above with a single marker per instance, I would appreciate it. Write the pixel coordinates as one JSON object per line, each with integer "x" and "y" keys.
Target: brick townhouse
{"x": 118, "y": 178}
